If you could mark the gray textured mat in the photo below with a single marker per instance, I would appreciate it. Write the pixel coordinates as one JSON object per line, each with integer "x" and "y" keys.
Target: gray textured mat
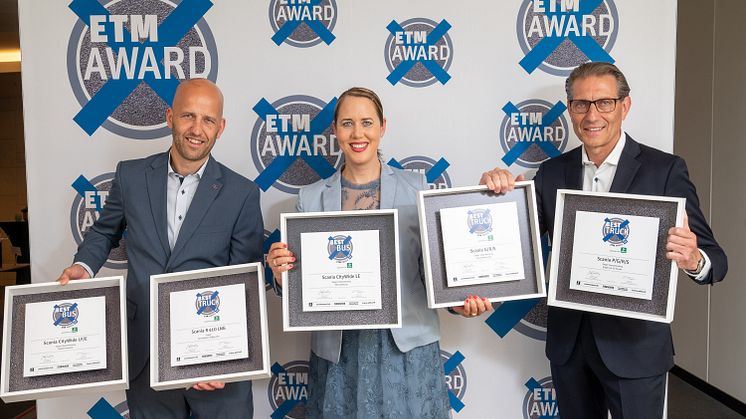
{"x": 253, "y": 324}
{"x": 113, "y": 370}
{"x": 445, "y": 294}
{"x": 388, "y": 313}
{"x": 664, "y": 211}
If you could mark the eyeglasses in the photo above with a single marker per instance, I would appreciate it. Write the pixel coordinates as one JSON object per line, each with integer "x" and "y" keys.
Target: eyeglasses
{"x": 604, "y": 105}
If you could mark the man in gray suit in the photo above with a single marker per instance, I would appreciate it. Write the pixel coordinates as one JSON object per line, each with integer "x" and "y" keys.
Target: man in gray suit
{"x": 182, "y": 211}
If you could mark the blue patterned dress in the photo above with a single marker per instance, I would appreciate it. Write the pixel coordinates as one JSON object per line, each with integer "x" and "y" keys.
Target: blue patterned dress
{"x": 373, "y": 378}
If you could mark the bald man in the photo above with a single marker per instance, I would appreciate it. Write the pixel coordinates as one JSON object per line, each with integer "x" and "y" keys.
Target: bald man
{"x": 182, "y": 210}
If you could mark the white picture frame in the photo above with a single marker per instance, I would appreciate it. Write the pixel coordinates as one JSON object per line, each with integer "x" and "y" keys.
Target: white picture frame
{"x": 56, "y": 292}
{"x": 260, "y": 334}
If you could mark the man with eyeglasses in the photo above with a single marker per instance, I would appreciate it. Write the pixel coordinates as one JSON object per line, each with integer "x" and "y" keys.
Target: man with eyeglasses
{"x": 602, "y": 362}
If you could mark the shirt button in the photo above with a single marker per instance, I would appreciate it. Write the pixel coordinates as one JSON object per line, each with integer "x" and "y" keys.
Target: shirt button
{"x": 183, "y": 192}
{"x": 180, "y": 218}
{"x": 595, "y": 179}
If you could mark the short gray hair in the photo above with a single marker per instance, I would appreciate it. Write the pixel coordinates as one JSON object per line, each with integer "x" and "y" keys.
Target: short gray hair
{"x": 598, "y": 69}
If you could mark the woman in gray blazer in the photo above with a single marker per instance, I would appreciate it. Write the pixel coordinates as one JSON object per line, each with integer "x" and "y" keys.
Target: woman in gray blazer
{"x": 380, "y": 373}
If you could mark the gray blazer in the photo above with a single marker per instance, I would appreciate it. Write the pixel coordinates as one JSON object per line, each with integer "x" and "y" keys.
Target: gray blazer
{"x": 222, "y": 227}
{"x": 398, "y": 190}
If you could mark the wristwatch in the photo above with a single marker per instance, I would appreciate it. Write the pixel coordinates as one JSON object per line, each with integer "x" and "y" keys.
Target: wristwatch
{"x": 700, "y": 266}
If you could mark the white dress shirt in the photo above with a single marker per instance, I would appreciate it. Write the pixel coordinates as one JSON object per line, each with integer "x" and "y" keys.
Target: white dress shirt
{"x": 599, "y": 179}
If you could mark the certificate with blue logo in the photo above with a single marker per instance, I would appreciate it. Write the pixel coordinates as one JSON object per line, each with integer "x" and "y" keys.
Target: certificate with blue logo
{"x": 341, "y": 270}
{"x": 482, "y": 244}
{"x": 208, "y": 325}
{"x": 64, "y": 336}
{"x": 614, "y": 254}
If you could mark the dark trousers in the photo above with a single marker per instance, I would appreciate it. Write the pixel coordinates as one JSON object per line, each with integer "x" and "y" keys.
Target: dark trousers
{"x": 586, "y": 389}
{"x": 233, "y": 401}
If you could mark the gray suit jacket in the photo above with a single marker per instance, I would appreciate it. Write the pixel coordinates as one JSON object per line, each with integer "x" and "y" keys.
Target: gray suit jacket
{"x": 222, "y": 227}
{"x": 398, "y": 190}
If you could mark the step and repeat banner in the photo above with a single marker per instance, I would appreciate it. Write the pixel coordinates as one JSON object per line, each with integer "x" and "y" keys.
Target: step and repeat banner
{"x": 466, "y": 86}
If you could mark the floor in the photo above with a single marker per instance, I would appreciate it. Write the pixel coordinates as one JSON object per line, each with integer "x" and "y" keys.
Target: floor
{"x": 686, "y": 402}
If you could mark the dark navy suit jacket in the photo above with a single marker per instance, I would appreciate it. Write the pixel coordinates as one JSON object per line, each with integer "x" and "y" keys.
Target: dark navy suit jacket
{"x": 630, "y": 348}
{"x": 223, "y": 226}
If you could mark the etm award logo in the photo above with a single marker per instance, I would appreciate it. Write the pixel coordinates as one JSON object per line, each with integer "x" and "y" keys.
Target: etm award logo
{"x": 292, "y": 144}
{"x": 303, "y": 23}
{"x": 89, "y": 201}
{"x": 558, "y": 35}
{"x": 288, "y": 390}
{"x": 436, "y": 172}
{"x": 65, "y": 315}
{"x": 418, "y": 52}
{"x": 533, "y": 131}
{"x": 540, "y": 401}
{"x": 125, "y": 59}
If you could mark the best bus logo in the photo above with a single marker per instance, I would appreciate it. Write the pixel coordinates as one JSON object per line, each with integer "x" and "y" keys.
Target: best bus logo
{"x": 340, "y": 248}
{"x": 418, "y": 52}
{"x": 292, "y": 142}
{"x": 532, "y": 132}
{"x": 65, "y": 315}
{"x": 126, "y": 58}
{"x": 303, "y": 23}
{"x": 86, "y": 208}
{"x": 558, "y": 35}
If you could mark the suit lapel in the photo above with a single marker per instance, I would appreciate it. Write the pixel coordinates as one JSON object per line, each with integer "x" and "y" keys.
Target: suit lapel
{"x": 388, "y": 186}
{"x": 156, "y": 176}
{"x": 207, "y": 190}
{"x": 332, "y": 194}
{"x": 574, "y": 170}
{"x": 627, "y": 168}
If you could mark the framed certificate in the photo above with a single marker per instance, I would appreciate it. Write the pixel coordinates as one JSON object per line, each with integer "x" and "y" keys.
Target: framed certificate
{"x": 208, "y": 325}
{"x": 475, "y": 242}
{"x": 63, "y": 340}
{"x": 346, "y": 274}
{"x": 609, "y": 254}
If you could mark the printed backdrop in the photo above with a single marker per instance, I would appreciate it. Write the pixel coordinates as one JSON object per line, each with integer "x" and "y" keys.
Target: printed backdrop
{"x": 466, "y": 86}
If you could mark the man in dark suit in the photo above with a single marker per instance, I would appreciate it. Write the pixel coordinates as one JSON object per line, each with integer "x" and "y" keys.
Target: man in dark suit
{"x": 182, "y": 211}
{"x": 602, "y": 362}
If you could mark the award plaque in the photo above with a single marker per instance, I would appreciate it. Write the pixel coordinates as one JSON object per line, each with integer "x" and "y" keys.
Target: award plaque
{"x": 208, "y": 325}
{"x": 63, "y": 340}
{"x": 346, "y": 274}
{"x": 476, "y": 242}
{"x": 609, "y": 254}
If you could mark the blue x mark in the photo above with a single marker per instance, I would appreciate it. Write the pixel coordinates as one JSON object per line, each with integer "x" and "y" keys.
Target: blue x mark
{"x": 103, "y": 410}
{"x": 83, "y": 185}
{"x": 546, "y": 146}
{"x": 585, "y": 44}
{"x": 451, "y": 364}
{"x": 280, "y": 164}
{"x": 431, "y": 175}
{"x": 612, "y": 234}
{"x": 405, "y": 65}
{"x": 290, "y": 25}
{"x": 114, "y": 92}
